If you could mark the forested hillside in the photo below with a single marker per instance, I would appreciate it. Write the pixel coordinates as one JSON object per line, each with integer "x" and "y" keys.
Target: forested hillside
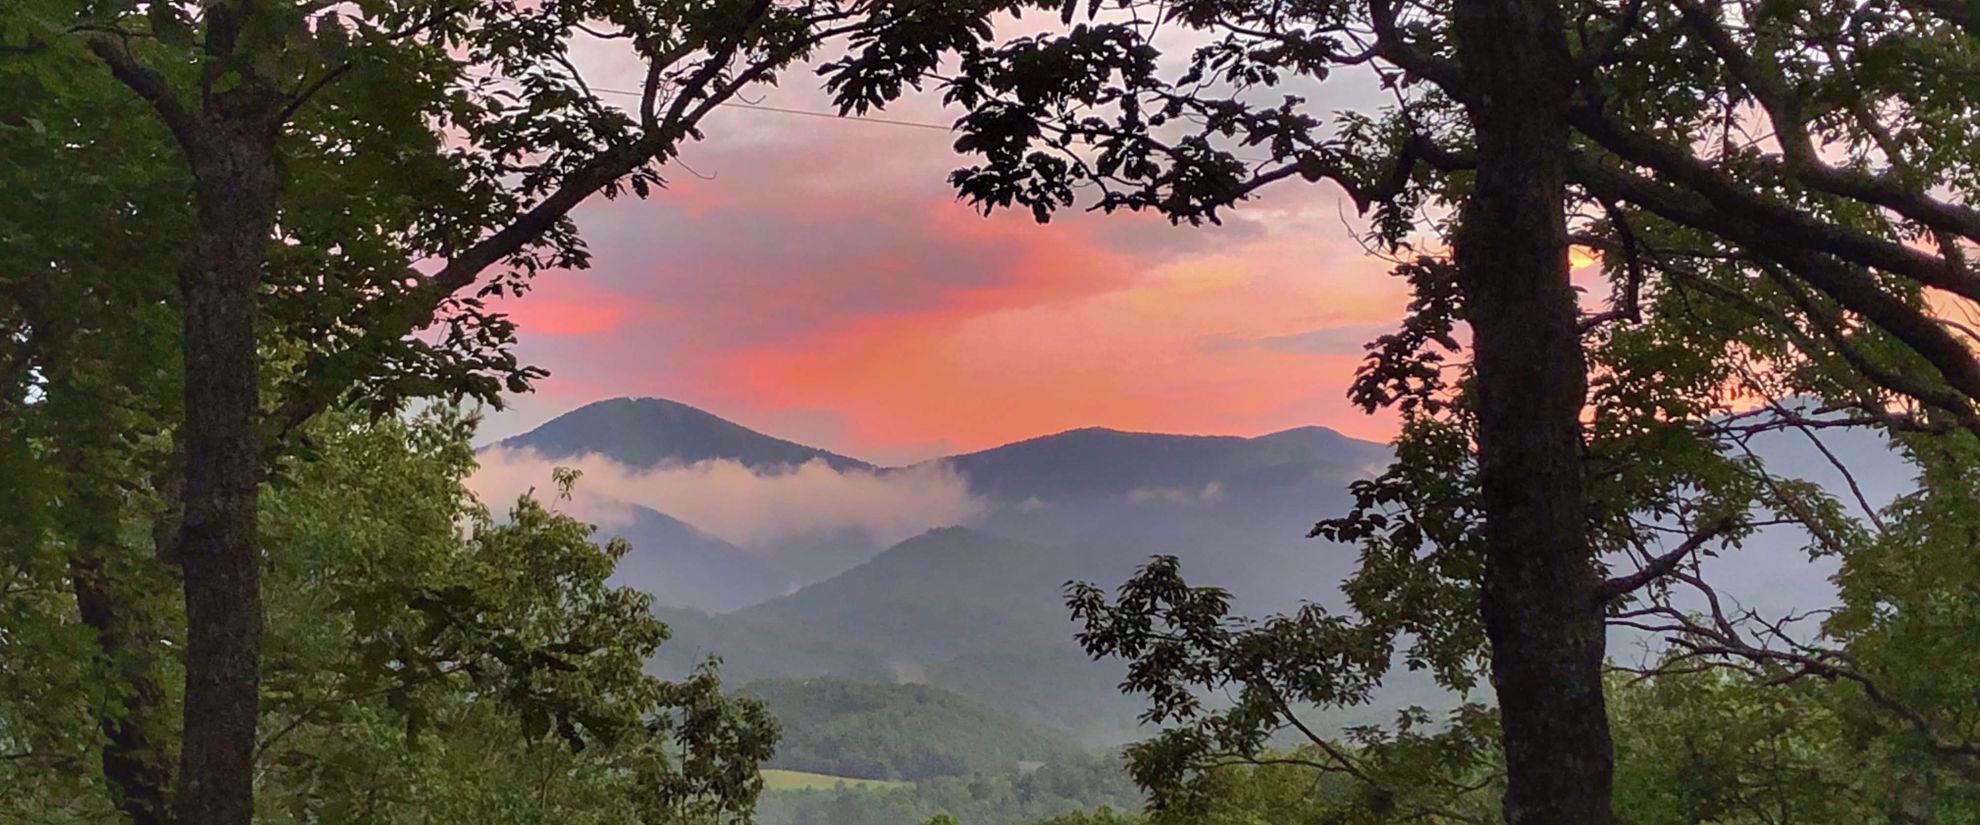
{"x": 901, "y": 732}
{"x": 956, "y": 608}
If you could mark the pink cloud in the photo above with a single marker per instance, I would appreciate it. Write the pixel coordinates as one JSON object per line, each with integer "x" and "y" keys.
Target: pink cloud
{"x": 547, "y": 317}
{"x": 569, "y": 304}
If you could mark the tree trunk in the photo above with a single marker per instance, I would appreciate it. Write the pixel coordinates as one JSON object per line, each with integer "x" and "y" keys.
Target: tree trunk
{"x": 1540, "y": 574}
{"x": 134, "y": 758}
{"x": 238, "y": 183}
{"x": 113, "y": 596}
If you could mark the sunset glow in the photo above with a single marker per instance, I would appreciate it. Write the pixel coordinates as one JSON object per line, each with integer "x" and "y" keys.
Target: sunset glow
{"x": 819, "y": 280}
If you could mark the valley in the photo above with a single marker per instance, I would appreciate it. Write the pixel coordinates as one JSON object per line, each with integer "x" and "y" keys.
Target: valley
{"x": 939, "y": 671}
{"x": 976, "y": 608}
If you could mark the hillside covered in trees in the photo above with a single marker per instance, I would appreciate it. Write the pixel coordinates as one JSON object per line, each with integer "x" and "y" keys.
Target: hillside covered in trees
{"x": 901, "y": 732}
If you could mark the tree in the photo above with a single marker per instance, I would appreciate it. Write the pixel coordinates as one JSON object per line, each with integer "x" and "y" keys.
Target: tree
{"x": 1511, "y": 263}
{"x": 297, "y": 285}
{"x": 1515, "y": 121}
{"x": 420, "y": 670}
{"x": 1864, "y": 717}
{"x": 90, "y": 371}
{"x": 416, "y": 670}
{"x": 1848, "y": 712}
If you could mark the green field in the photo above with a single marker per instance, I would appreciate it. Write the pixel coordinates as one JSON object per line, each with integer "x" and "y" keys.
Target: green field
{"x": 778, "y": 779}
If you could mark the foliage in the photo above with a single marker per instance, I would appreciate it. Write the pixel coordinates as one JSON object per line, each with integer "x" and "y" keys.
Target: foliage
{"x": 424, "y": 661}
{"x": 1103, "y": 816}
{"x": 328, "y": 149}
{"x": 898, "y": 732}
{"x": 1721, "y": 746}
{"x": 1182, "y": 646}
{"x": 1711, "y": 747}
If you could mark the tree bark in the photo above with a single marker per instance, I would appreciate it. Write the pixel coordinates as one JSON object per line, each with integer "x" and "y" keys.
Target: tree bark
{"x": 1540, "y": 574}
{"x": 238, "y": 182}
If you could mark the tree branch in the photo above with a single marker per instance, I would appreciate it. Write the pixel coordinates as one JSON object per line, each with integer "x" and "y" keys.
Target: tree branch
{"x": 1661, "y": 565}
{"x": 1629, "y": 305}
{"x": 1783, "y": 105}
{"x": 302, "y": 98}
{"x": 1783, "y": 224}
{"x": 417, "y": 309}
{"x": 152, "y": 87}
{"x": 1853, "y": 289}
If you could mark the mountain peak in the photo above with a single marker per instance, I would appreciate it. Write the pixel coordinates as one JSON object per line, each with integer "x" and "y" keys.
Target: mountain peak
{"x": 1314, "y": 441}
{"x": 645, "y": 432}
{"x": 1107, "y": 462}
{"x": 1308, "y": 430}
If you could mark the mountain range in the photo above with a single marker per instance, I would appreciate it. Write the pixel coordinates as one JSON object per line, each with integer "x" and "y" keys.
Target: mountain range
{"x": 976, "y": 607}
{"x": 1178, "y": 494}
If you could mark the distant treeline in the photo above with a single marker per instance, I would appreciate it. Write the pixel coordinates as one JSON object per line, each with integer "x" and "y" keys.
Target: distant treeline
{"x": 900, "y": 732}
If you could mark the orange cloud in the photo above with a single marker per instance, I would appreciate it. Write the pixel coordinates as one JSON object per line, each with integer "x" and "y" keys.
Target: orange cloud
{"x": 1141, "y": 356}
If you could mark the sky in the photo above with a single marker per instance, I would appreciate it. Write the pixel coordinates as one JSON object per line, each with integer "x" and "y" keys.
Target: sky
{"x": 818, "y": 280}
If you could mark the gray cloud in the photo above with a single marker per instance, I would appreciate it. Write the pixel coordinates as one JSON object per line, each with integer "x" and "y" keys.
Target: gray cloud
{"x": 1351, "y": 339}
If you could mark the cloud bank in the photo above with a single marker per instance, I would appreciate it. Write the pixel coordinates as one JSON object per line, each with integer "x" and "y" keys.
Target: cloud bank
{"x": 743, "y": 506}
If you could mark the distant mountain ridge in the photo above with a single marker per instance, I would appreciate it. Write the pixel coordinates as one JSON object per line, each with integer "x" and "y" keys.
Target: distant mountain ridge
{"x": 680, "y": 565}
{"x": 1096, "y": 461}
{"x": 646, "y": 432}
{"x": 1092, "y": 485}
{"x": 976, "y": 608}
